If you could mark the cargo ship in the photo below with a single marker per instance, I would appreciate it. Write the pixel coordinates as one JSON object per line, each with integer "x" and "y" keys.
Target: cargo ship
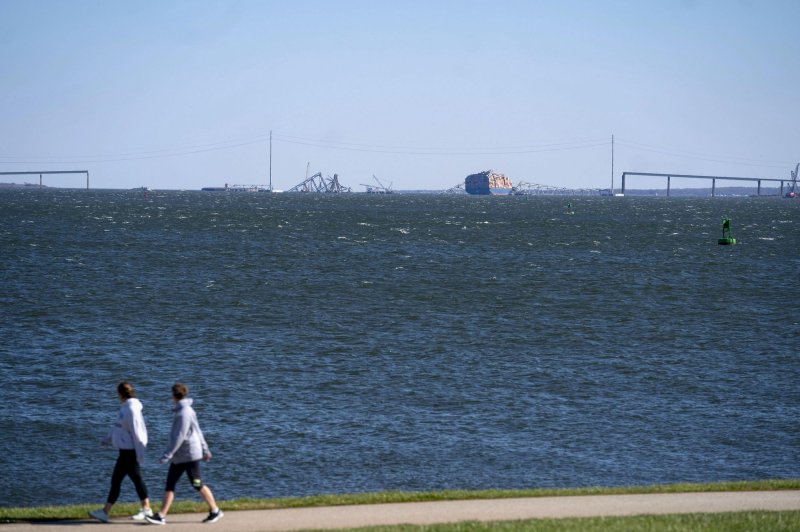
{"x": 487, "y": 183}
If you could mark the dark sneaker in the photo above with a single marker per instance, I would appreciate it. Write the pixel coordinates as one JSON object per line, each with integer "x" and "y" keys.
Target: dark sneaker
{"x": 155, "y": 519}
{"x": 213, "y": 517}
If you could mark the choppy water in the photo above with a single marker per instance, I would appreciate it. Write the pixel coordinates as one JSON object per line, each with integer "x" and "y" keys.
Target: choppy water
{"x": 414, "y": 342}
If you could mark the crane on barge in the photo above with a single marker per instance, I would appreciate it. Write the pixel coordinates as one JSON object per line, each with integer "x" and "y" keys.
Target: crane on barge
{"x": 792, "y": 193}
{"x": 380, "y": 189}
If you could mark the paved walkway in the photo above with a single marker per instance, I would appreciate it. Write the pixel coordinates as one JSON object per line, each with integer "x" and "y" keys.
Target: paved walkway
{"x": 420, "y": 513}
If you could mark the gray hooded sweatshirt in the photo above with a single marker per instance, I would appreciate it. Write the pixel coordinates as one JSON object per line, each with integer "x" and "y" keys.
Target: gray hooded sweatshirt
{"x": 186, "y": 441}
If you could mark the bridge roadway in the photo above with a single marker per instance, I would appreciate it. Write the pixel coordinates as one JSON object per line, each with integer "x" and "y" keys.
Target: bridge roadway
{"x": 711, "y": 177}
{"x": 49, "y": 172}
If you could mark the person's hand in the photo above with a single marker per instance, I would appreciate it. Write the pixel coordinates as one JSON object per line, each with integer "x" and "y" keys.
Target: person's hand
{"x": 162, "y": 460}
{"x": 207, "y": 457}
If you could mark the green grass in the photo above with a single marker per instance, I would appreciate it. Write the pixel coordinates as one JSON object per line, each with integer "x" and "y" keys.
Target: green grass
{"x": 49, "y": 513}
{"x": 728, "y": 522}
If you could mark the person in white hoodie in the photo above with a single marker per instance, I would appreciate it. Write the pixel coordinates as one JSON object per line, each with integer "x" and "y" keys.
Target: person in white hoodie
{"x": 129, "y": 435}
{"x": 187, "y": 446}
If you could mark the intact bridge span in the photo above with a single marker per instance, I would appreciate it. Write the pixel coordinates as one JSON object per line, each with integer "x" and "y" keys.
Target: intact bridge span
{"x": 711, "y": 177}
{"x": 45, "y": 172}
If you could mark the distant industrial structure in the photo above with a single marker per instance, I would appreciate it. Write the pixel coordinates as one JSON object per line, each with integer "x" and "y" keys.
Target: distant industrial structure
{"x": 493, "y": 183}
{"x": 237, "y": 188}
{"x": 318, "y": 183}
{"x": 534, "y": 189}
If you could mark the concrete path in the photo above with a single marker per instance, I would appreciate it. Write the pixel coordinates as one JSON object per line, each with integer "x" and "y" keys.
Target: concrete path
{"x": 420, "y": 513}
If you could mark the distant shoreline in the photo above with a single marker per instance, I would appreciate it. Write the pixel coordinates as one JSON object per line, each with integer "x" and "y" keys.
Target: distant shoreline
{"x": 674, "y": 192}
{"x": 22, "y": 185}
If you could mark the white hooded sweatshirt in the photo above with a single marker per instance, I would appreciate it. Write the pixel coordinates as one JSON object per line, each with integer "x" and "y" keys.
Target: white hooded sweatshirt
{"x": 129, "y": 431}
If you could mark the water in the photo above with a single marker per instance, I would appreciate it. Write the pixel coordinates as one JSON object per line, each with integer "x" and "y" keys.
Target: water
{"x": 409, "y": 342}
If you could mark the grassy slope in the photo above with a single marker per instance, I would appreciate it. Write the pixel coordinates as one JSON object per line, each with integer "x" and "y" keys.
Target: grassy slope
{"x": 727, "y": 522}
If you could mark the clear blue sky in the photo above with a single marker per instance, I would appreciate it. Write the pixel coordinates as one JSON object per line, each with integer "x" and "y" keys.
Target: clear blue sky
{"x": 183, "y": 94}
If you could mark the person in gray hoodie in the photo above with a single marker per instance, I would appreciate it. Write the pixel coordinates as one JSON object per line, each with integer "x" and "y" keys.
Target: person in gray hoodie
{"x": 129, "y": 435}
{"x": 187, "y": 447}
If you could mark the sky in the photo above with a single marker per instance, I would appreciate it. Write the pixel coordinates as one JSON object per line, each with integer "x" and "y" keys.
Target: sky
{"x": 175, "y": 94}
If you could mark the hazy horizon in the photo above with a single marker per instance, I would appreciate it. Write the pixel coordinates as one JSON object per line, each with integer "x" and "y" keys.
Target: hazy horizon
{"x": 184, "y": 95}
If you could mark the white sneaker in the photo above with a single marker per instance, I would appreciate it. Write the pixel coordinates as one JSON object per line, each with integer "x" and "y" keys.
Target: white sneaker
{"x": 143, "y": 512}
{"x": 100, "y": 515}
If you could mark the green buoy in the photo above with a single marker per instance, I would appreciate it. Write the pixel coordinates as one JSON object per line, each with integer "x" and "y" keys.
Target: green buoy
{"x": 727, "y": 239}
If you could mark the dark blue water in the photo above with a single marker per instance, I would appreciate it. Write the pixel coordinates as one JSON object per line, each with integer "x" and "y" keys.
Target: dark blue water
{"x": 401, "y": 342}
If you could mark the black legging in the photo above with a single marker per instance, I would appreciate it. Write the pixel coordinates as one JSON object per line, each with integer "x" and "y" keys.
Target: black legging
{"x": 126, "y": 465}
